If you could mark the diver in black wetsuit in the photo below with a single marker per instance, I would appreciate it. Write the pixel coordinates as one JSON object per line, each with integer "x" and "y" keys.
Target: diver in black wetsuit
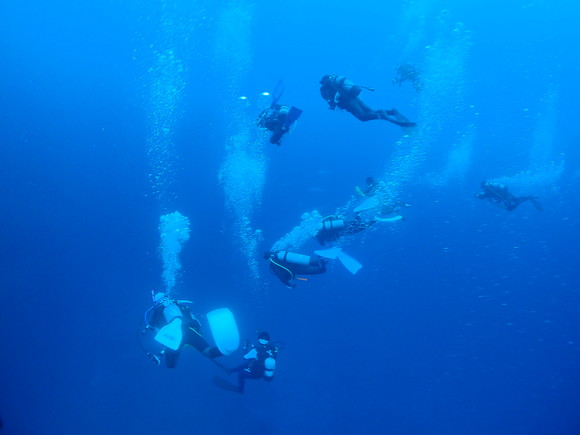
{"x": 374, "y": 188}
{"x": 338, "y": 91}
{"x": 332, "y": 228}
{"x": 278, "y": 118}
{"x": 286, "y": 265}
{"x": 260, "y": 363}
{"x": 499, "y": 195}
{"x": 176, "y": 327}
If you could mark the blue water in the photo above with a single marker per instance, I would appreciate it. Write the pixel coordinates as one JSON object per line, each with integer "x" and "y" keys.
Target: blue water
{"x": 464, "y": 318}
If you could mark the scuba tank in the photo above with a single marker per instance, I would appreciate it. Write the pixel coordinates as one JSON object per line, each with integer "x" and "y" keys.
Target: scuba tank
{"x": 293, "y": 258}
{"x": 332, "y": 224}
{"x": 171, "y": 311}
{"x": 149, "y": 339}
{"x": 269, "y": 367}
{"x": 346, "y": 88}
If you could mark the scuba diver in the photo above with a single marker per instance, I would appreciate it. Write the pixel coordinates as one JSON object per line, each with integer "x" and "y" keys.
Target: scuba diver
{"x": 286, "y": 265}
{"x": 408, "y": 72}
{"x": 377, "y": 206}
{"x": 260, "y": 363}
{"x": 334, "y": 227}
{"x": 372, "y": 187}
{"x": 377, "y": 192}
{"x": 277, "y": 118}
{"x": 175, "y": 327}
{"x": 338, "y": 91}
{"x": 498, "y": 194}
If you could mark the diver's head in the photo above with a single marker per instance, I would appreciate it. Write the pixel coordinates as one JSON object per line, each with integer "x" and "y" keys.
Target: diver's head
{"x": 326, "y": 79}
{"x": 267, "y": 255}
{"x": 159, "y": 297}
{"x": 370, "y": 181}
{"x": 263, "y": 338}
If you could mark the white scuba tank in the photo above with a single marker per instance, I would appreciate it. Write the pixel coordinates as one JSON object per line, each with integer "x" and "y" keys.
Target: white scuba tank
{"x": 346, "y": 86}
{"x": 269, "y": 367}
{"x": 292, "y": 257}
{"x": 332, "y": 224}
{"x": 171, "y": 311}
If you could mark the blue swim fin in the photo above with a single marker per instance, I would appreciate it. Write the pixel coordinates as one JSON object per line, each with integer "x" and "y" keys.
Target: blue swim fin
{"x": 224, "y": 330}
{"x": 350, "y": 263}
{"x": 331, "y": 254}
{"x": 367, "y": 204}
{"x": 293, "y": 115}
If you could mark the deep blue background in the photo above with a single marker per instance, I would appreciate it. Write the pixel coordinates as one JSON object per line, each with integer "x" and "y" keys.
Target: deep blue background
{"x": 464, "y": 319}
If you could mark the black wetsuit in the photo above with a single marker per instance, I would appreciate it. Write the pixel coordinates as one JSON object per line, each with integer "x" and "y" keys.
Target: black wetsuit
{"x": 285, "y": 270}
{"x": 274, "y": 119}
{"x": 253, "y": 367}
{"x": 340, "y": 92}
{"x": 337, "y": 94}
{"x": 499, "y": 195}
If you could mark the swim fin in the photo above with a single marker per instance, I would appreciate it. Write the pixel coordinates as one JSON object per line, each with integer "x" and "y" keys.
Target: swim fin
{"x": 350, "y": 263}
{"x": 224, "y": 330}
{"x": 221, "y": 366}
{"x": 393, "y": 217}
{"x": 276, "y": 137}
{"x": 226, "y": 385}
{"x": 395, "y": 117}
{"x": 277, "y": 94}
{"x": 171, "y": 334}
{"x": 292, "y": 117}
{"x": 367, "y": 204}
{"x": 330, "y": 254}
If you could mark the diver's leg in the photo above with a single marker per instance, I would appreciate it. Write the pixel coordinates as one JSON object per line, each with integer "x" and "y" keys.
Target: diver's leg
{"x": 277, "y": 135}
{"x": 239, "y": 368}
{"x": 501, "y": 203}
{"x": 212, "y": 352}
{"x": 226, "y": 385}
{"x": 284, "y": 274}
{"x": 534, "y": 200}
{"x": 241, "y": 382}
{"x": 361, "y": 111}
{"x": 194, "y": 339}
{"x": 171, "y": 357}
{"x": 514, "y": 201}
